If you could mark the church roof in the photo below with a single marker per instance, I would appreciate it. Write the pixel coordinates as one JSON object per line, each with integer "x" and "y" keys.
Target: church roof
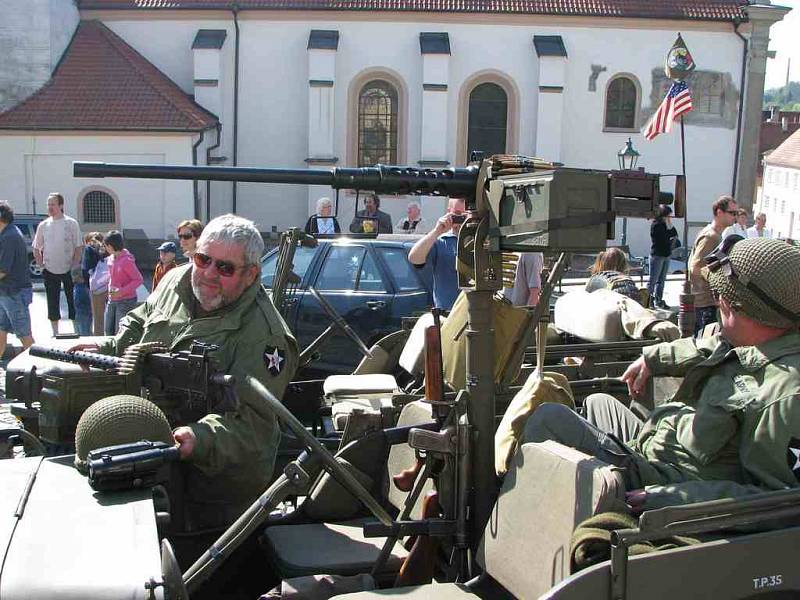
{"x": 705, "y": 10}
{"x": 101, "y": 83}
{"x": 787, "y": 154}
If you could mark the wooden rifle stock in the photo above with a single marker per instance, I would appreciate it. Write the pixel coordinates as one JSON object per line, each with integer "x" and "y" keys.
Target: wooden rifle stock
{"x": 434, "y": 392}
{"x": 418, "y": 567}
{"x": 434, "y": 382}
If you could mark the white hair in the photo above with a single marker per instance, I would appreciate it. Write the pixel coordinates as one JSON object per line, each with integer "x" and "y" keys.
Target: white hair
{"x": 324, "y": 201}
{"x": 415, "y": 204}
{"x": 230, "y": 229}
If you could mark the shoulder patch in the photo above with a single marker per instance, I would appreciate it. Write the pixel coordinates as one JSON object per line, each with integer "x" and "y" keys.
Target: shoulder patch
{"x": 274, "y": 359}
{"x": 793, "y": 457}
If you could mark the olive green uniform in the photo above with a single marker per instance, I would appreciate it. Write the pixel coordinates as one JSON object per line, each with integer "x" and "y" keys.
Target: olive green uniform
{"x": 734, "y": 419}
{"x": 234, "y": 455}
{"x": 733, "y": 427}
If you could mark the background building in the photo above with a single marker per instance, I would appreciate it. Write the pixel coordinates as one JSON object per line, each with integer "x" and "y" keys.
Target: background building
{"x": 780, "y": 197}
{"x": 404, "y": 82}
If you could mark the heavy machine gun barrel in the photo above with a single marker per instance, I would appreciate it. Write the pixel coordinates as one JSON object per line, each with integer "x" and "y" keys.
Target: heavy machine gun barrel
{"x": 89, "y": 359}
{"x": 455, "y": 182}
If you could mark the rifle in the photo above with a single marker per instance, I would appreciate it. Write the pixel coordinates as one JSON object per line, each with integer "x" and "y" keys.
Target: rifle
{"x": 185, "y": 384}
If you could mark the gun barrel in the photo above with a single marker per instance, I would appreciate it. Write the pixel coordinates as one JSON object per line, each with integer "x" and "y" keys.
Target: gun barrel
{"x": 455, "y": 182}
{"x": 89, "y": 359}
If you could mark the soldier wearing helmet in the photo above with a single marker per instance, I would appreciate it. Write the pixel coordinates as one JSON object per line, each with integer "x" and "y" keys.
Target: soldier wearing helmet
{"x": 733, "y": 426}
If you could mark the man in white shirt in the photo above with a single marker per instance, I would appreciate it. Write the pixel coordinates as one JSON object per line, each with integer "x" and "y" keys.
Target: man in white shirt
{"x": 527, "y": 280}
{"x": 57, "y": 246}
{"x": 739, "y": 227}
{"x": 413, "y": 221}
{"x": 759, "y": 229}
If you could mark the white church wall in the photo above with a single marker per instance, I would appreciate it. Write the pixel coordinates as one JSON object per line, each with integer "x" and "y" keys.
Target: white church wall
{"x": 37, "y": 165}
{"x": 274, "y": 98}
{"x": 167, "y": 43}
{"x": 709, "y": 150}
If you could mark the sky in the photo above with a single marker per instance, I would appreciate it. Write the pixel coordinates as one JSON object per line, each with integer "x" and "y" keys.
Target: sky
{"x": 785, "y": 40}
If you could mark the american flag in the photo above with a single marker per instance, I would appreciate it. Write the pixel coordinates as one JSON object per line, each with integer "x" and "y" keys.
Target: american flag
{"x": 677, "y": 102}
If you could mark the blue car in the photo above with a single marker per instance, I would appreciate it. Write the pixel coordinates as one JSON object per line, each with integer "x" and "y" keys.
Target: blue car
{"x": 369, "y": 282}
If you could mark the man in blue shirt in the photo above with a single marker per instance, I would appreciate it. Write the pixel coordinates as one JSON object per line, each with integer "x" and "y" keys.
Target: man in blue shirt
{"x": 438, "y": 249}
{"x": 15, "y": 282}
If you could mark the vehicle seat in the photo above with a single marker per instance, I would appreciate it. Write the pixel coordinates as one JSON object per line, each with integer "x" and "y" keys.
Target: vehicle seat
{"x": 549, "y": 490}
{"x": 371, "y": 393}
{"x": 341, "y": 548}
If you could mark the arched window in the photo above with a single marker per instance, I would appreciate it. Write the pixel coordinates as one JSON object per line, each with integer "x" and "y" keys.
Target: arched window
{"x": 488, "y": 119}
{"x": 377, "y": 124}
{"x": 622, "y": 102}
{"x": 98, "y": 207}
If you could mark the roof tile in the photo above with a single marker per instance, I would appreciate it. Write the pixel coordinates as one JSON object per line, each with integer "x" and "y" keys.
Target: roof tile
{"x": 102, "y": 83}
{"x": 706, "y": 10}
{"x": 787, "y": 154}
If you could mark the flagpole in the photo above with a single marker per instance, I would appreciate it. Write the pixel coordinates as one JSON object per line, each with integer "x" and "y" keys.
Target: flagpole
{"x": 686, "y": 316}
{"x": 685, "y": 209}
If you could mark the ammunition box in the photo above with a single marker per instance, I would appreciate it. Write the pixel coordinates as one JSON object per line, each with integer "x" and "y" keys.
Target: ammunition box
{"x": 563, "y": 209}
{"x": 64, "y": 397}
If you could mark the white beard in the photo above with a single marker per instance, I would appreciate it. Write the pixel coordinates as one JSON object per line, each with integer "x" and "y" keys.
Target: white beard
{"x": 207, "y": 304}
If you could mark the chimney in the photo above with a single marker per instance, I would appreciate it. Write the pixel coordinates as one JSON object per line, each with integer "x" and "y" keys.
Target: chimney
{"x": 207, "y": 48}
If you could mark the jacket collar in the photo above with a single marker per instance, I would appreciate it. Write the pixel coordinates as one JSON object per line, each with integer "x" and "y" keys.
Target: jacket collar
{"x": 756, "y": 357}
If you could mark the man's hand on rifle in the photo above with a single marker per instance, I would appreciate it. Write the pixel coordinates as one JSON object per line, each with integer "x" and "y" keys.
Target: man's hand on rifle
{"x": 186, "y": 440}
{"x": 84, "y": 348}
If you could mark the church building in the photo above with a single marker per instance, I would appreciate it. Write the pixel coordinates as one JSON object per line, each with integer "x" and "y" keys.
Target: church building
{"x": 320, "y": 83}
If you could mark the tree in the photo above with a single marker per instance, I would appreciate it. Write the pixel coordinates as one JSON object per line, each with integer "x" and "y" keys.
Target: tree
{"x": 785, "y": 98}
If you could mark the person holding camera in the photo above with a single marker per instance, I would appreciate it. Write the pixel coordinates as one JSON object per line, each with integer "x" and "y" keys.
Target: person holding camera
{"x": 663, "y": 239}
{"x": 438, "y": 248}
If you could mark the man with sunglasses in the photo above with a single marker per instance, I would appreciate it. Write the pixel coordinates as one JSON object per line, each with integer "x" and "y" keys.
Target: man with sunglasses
{"x": 725, "y": 212}
{"x": 733, "y": 426}
{"x": 218, "y": 299}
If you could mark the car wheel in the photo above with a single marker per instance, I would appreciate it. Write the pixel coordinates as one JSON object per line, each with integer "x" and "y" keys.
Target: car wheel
{"x": 35, "y": 268}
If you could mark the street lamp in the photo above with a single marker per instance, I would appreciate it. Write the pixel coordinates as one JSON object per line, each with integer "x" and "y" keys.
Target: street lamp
{"x": 628, "y": 157}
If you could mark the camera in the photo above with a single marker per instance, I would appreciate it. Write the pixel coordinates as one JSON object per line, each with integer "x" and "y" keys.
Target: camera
{"x": 458, "y": 218}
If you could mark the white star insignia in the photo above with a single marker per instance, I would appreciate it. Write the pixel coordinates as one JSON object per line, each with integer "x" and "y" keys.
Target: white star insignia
{"x": 796, "y": 452}
{"x": 275, "y": 360}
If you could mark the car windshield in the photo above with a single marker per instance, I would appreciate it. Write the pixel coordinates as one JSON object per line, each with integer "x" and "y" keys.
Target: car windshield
{"x": 302, "y": 259}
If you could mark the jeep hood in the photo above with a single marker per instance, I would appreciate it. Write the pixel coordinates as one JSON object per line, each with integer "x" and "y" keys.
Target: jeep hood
{"x": 59, "y": 538}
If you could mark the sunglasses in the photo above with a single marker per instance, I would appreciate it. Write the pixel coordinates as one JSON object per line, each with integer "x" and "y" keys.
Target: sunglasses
{"x": 224, "y": 268}
{"x": 186, "y": 236}
{"x": 719, "y": 260}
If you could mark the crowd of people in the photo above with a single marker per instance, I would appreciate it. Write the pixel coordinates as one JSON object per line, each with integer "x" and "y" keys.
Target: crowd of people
{"x": 98, "y": 276}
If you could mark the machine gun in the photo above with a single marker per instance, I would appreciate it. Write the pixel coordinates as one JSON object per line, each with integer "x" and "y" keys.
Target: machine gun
{"x": 514, "y": 204}
{"x": 185, "y": 385}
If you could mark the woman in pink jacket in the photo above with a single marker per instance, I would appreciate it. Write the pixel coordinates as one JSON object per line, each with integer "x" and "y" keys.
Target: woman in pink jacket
{"x": 125, "y": 278}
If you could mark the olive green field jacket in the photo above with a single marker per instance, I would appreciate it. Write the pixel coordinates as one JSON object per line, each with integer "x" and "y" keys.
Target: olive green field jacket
{"x": 234, "y": 455}
{"x": 733, "y": 426}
